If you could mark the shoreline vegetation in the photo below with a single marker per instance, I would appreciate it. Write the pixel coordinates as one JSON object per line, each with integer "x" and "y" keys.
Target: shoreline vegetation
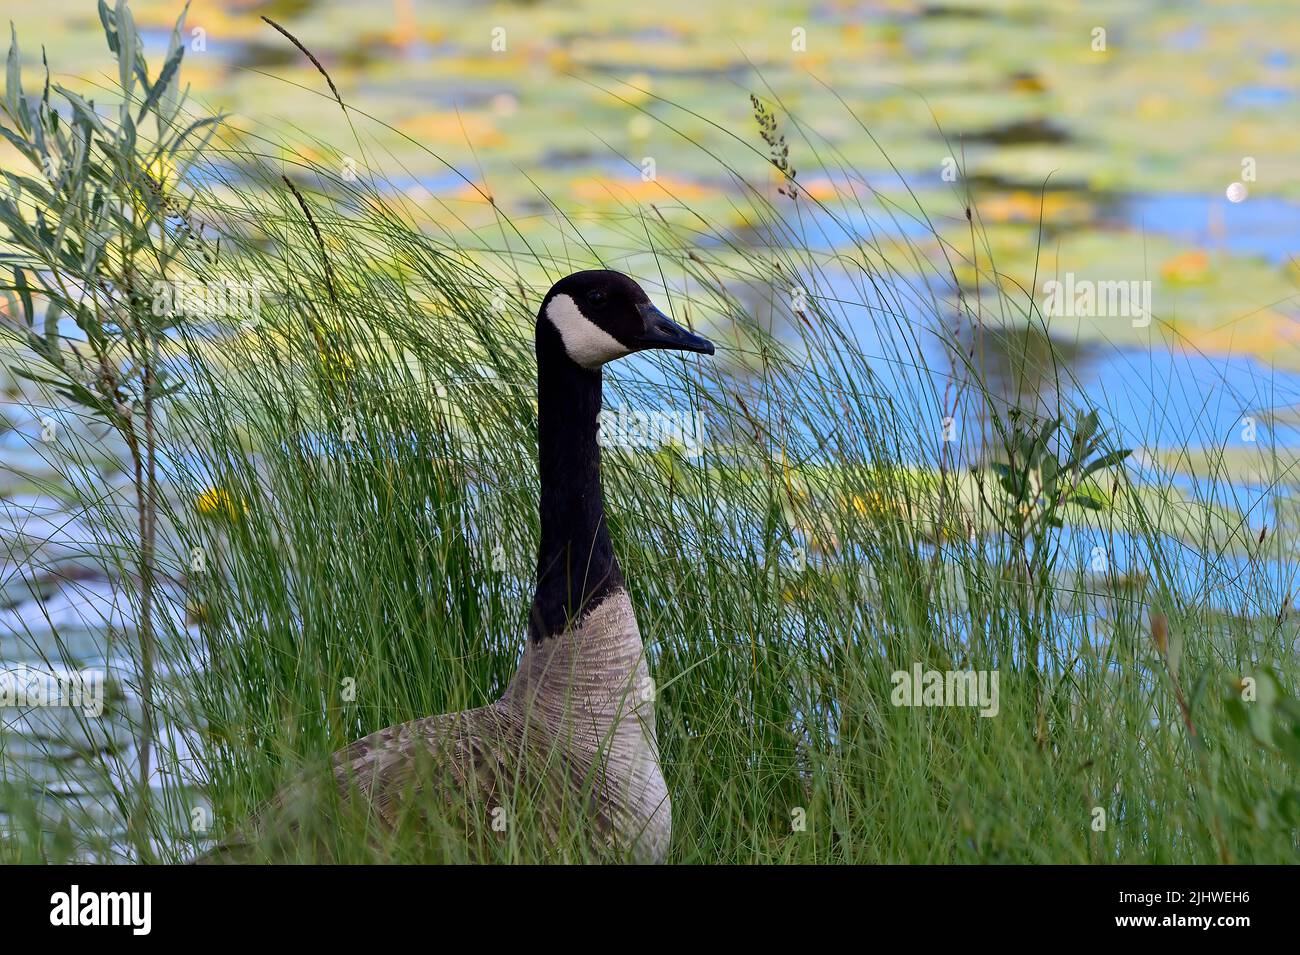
{"x": 311, "y": 511}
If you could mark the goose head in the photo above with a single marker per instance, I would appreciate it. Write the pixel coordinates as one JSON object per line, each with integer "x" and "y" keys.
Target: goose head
{"x": 601, "y": 315}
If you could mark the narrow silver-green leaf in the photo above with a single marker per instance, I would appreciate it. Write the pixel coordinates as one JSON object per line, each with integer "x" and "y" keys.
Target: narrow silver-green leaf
{"x": 14, "y": 81}
{"x": 160, "y": 85}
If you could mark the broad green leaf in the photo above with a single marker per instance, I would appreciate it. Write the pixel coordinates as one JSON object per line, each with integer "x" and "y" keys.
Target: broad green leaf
{"x": 1083, "y": 500}
{"x": 1106, "y": 461}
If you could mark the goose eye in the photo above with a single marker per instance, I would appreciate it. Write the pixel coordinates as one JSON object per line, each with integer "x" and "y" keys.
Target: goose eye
{"x": 596, "y": 297}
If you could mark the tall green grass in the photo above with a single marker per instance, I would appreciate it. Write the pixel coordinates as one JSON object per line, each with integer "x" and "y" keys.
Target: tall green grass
{"x": 356, "y": 469}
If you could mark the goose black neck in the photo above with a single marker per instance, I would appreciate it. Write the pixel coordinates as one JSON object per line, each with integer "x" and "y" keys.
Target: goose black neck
{"x": 576, "y": 566}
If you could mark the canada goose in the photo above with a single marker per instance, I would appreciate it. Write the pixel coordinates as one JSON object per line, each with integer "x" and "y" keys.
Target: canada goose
{"x": 576, "y": 720}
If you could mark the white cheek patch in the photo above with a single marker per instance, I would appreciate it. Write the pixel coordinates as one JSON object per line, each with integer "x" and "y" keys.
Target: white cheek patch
{"x": 587, "y": 344}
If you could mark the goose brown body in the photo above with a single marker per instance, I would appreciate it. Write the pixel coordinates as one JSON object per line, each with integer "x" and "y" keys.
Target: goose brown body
{"x": 576, "y": 726}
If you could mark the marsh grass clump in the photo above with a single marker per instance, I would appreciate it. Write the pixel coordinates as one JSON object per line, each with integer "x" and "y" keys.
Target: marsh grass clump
{"x": 354, "y": 467}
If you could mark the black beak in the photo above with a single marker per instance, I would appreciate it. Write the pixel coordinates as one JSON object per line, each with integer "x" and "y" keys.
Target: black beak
{"x": 660, "y": 331}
